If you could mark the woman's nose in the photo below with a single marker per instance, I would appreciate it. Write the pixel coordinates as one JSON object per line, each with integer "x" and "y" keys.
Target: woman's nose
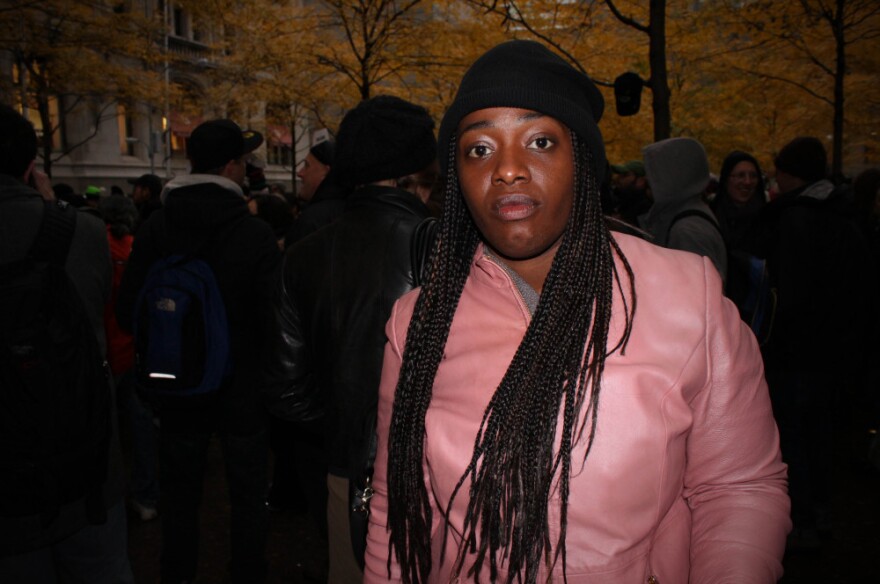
{"x": 510, "y": 168}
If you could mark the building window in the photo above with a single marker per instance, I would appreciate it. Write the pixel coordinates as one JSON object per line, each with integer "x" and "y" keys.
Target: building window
{"x": 281, "y": 154}
{"x": 30, "y": 109}
{"x": 178, "y": 145}
{"x": 179, "y": 21}
{"x": 125, "y": 123}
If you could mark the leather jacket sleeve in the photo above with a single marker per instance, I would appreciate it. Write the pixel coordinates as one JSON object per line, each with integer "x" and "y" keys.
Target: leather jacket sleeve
{"x": 735, "y": 481}
{"x": 290, "y": 386}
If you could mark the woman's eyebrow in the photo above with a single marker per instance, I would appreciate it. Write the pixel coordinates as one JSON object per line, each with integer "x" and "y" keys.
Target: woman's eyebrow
{"x": 476, "y": 126}
{"x": 530, "y": 116}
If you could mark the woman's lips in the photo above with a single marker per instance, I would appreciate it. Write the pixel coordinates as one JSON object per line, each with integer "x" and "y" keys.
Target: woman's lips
{"x": 515, "y": 207}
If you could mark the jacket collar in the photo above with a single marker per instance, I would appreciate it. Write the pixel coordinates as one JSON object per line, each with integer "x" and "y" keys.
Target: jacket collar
{"x": 372, "y": 194}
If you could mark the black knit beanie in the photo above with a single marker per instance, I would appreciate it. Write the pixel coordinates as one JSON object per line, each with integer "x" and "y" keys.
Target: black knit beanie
{"x": 324, "y": 152}
{"x": 526, "y": 74}
{"x": 382, "y": 138}
{"x": 804, "y": 158}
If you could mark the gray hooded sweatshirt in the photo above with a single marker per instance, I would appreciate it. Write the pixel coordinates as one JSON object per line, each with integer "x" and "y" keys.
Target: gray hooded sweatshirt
{"x": 678, "y": 172}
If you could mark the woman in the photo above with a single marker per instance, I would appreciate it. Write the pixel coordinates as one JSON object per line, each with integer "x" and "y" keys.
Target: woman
{"x": 738, "y": 206}
{"x": 121, "y": 215}
{"x": 740, "y": 197}
{"x": 538, "y": 425}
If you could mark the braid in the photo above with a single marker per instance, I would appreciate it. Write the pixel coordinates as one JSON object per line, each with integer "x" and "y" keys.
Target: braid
{"x": 447, "y": 271}
{"x": 558, "y": 364}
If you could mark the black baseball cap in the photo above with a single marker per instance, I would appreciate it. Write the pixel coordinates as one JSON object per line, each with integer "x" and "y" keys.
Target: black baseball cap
{"x": 637, "y": 167}
{"x": 214, "y": 143}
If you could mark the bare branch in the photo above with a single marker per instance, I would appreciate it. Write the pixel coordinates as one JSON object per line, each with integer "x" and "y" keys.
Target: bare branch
{"x": 786, "y": 81}
{"x": 625, "y": 19}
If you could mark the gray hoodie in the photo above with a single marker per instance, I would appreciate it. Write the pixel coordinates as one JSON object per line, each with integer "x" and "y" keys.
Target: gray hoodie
{"x": 678, "y": 172}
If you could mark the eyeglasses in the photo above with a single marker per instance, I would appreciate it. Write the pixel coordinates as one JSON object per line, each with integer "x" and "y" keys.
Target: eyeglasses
{"x": 744, "y": 176}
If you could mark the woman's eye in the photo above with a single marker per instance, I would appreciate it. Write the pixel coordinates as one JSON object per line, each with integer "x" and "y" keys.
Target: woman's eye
{"x": 478, "y": 151}
{"x": 541, "y": 143}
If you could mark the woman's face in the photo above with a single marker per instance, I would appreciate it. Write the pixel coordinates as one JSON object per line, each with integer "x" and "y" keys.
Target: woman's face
{"x": 742, "y": 182}
{"x": 516, "y": 170}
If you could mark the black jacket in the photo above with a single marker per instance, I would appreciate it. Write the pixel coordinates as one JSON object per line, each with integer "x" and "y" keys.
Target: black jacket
{"x": 338, "y": 287}
{"x": 326, "y": 206}
{"x": 819, "y": 267}
{"x": 89, "y": 268}
{"x": 214, "y": 223}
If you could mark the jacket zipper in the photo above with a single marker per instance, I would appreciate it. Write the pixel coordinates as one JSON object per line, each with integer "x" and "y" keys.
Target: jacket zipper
{"x": 517, "y": 293}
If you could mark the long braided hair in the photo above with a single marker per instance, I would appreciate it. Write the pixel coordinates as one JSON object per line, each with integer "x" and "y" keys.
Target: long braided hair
{"x": 557, "y": 367}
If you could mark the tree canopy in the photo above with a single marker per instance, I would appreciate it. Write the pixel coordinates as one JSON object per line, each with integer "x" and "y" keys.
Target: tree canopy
{"x": 77, "y": 56}
{"x": 735, "y": 75}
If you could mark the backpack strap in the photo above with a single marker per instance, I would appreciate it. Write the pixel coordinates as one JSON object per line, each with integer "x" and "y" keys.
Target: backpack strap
{"x": 420, "y": 246}
{"x": 694, "y": 213}
{"x": 52, "y": 243}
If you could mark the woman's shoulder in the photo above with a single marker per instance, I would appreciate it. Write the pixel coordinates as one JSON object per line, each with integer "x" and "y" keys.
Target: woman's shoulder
{"x": 671, "y": 286}
{"x": 649, "y": 260}
{"x": 401, "y": 314}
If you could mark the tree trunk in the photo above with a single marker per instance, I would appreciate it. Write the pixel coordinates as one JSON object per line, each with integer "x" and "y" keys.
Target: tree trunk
{"x": 46, "y": 139}
{"x": 293, "y": 161}
{"x": 659, "y": 80}
{"x": 839, "y": 74}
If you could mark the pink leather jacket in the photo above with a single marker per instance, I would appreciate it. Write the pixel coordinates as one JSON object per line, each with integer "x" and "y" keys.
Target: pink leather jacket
{"x": 684, "y": 482}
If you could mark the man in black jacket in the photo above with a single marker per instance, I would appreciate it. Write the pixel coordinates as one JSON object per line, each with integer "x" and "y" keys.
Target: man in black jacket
{"x": 205, "y": 214}
{"x": 70, "y": 539}
{"x": 322, "y": 192}
{"x": 819, "y": 269}
{"x": 338, "y": 287}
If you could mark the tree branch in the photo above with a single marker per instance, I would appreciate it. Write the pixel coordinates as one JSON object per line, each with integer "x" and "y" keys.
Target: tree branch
{"x": 786, "y": 81}
{"x": 625, "y": 19}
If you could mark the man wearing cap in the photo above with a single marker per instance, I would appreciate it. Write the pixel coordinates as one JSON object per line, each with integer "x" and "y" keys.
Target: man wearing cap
{"x": 324, "y": 195}
{"x": 145, "y": 195}
{"x": 825, "y": 293}
{"x": 314, "y": 169}
{"x": 92, "y": 196}
{"x": 205, "y": 214}
{"x": 338, "y": 287}
{"x": 324, "y": 202}
{"x": 629, "y": 172}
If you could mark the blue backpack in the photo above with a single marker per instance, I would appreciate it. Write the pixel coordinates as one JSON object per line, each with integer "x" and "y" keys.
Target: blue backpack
{"x": 181, "y": 332}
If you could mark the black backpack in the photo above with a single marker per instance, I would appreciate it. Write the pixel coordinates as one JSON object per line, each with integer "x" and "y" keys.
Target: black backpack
{"x": 56, "y": 402}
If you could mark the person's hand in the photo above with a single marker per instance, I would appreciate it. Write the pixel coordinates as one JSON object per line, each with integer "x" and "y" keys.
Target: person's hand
{"x": 43, "y": 184}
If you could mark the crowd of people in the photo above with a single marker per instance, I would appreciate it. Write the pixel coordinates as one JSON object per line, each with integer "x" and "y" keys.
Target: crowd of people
{"x": 476, "y": 351}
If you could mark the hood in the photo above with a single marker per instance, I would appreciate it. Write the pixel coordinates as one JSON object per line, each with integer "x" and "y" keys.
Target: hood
{"x": 677, "y": 170}
{"x": 196, "y": 179}
{"x": 200, "y": 204}
{"x": 820, "y": 190}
